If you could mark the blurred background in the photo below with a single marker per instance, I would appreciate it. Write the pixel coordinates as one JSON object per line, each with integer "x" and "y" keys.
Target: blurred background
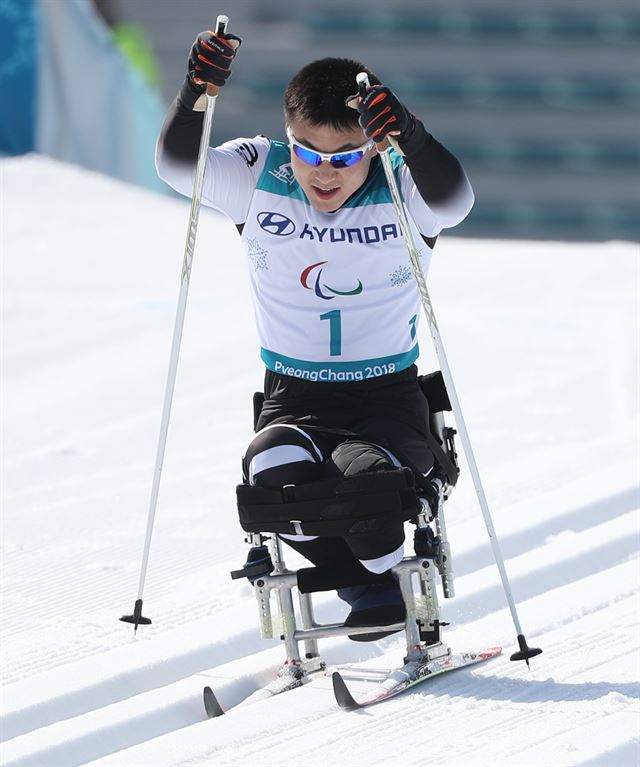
{"x": 540, "y": 101}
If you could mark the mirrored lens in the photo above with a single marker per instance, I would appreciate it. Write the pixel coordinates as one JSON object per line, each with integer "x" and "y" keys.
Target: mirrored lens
{"x": 308, "y": 155}
{"x": 345, "y": 159}
{"x": 339, "y": 160}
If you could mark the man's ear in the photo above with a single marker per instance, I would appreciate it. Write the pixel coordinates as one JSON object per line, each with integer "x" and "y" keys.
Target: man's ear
{"x": 352, "y": 101}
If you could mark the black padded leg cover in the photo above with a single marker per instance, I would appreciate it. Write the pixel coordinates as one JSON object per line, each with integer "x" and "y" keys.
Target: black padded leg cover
{"x": 323, "y": 551}
{"x": 356, "y": 457}
{"x": 371, "y": 538}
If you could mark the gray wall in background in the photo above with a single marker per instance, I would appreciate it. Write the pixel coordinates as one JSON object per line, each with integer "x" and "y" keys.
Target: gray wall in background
{"x": 541, "y": 101}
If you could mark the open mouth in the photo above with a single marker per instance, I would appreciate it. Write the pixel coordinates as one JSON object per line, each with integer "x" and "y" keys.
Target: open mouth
{"x": 325, "y": 193}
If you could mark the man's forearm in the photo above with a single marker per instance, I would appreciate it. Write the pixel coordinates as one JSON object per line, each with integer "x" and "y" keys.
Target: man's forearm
{"x": 437, "y": 174}
{"x": 182, "y": 129}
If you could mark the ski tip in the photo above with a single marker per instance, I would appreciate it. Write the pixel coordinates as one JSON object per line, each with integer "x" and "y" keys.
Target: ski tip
{"x": 211, "y": 705}
{"x": 344, "y": 698}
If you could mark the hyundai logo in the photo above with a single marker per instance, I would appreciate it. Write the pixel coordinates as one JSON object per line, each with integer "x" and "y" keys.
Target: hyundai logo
{"x": 276, "y": 223}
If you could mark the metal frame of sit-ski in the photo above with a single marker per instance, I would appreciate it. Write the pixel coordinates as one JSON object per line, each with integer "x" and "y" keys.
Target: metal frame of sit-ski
{"x": 416, "y": 576}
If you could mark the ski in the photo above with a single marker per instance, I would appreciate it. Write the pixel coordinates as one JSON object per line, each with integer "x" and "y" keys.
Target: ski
{"x": 389, "y": 682}
{"x": 211, "y": 705}
{"x": 410, "y": 675}
{"x": 289, "y": 678}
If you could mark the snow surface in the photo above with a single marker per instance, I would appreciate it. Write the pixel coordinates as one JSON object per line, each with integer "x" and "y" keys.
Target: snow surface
{"x": 543, "y": 342}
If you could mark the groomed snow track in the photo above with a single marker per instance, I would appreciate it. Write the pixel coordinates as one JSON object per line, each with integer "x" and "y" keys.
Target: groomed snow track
{"x": 543, "y": 343}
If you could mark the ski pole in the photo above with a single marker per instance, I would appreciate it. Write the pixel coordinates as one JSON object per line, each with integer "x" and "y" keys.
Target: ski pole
{"x": 212, "y": 94}
{"x": 525, "y": 652}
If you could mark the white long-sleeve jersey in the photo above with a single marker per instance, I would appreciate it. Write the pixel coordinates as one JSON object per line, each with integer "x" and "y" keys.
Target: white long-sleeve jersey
{"x": 333, "y": 293}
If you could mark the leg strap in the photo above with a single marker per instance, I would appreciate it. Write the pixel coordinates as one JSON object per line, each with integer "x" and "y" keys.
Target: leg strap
{"x": 312, "y": 579}
{"x": 330, "y": 507}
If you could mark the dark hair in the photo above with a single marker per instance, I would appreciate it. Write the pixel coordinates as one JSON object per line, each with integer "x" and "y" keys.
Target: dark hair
{"x": 318, "y": 91}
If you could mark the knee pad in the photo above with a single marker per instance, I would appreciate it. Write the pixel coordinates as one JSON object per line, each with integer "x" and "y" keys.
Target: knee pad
{"x": 354, "y": 457}
{"x": 280, "y": 455}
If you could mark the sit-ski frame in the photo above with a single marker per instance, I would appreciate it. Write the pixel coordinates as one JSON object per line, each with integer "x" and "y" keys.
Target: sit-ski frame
{"x": 416, "y": 577}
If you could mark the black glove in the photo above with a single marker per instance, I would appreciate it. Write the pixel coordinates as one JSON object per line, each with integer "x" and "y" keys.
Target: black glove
{"x": 211, "y": 57}
{"x": 381, "y": 115}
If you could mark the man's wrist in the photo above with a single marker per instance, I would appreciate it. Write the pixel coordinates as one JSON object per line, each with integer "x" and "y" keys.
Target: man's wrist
{"x": 414, "y": 138}
{"x": 189, "y": 95}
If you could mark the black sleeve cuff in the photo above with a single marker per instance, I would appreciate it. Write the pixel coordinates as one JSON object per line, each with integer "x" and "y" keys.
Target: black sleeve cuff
{"x": 436, "y": 172}
{"x": 182, "y": 129}
{"x": 190, "y": 93}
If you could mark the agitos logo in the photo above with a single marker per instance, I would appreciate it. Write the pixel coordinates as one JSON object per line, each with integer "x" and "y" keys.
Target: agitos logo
{"x": 317, "y": 286}
{"x": 276, "y": 223}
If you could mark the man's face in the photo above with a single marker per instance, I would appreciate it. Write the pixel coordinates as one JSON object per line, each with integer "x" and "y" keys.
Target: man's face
{"x": 327, "y": 187}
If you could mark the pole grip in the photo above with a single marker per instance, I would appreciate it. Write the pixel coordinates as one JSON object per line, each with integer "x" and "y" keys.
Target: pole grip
{"x": 362, "y": 80}
{"x": 221, "y": 27}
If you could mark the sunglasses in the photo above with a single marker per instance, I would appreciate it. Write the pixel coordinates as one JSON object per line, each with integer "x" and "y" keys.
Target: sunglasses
{"x": 337, "y": 160}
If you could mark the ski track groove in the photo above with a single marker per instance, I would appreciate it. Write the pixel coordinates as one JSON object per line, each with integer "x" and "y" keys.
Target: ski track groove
{"x": 171, "y": 617}
{"x": 610, "y": 635}
{"x": 574, "y": 520}
{"x": 68, "y": 477}
{"x": 87, "y": 650}
{"x": 162, "y": 672}
{"x": 592, "y": 609}
{"x": 383, "y": 723}
{"x": 58, "y": 575}
{"x": 528, "y": 740}
{"x": 498, "y": 697}
{"x": 174, "y": 617}
{"x": 101, "y": 640}
{"x": 525, "y": 721}
{"x": 441, "y": 699}
{"x": 549, "y": 576}
{"x": 177, "y": 565}
{"x": 51, "y": 608}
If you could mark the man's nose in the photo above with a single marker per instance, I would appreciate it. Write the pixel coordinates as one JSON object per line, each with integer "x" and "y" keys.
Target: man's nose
{"x": 326, "y": 170}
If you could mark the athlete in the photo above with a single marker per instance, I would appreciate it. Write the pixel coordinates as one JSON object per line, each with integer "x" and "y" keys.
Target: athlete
{"x": 336, "y": 306}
